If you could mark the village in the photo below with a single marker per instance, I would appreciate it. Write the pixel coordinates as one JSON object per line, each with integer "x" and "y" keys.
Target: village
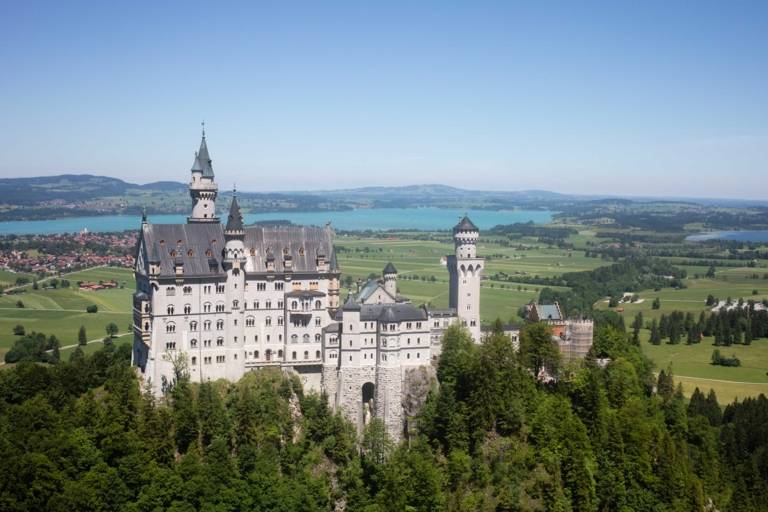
{"x": 50, "y": 255}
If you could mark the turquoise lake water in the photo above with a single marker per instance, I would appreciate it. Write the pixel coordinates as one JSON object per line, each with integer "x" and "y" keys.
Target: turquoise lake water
{"x": 374, "y": 219}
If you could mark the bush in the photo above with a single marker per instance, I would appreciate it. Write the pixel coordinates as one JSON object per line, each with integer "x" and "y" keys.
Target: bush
{"x": 19, "y": 304}
{"x": 19, "y": 330}
{"x": 720, "y": 360}
{"x": 93, "y": 308}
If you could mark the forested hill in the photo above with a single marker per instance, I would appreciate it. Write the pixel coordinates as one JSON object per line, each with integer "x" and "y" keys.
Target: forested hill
{"x": 81, "y": 436}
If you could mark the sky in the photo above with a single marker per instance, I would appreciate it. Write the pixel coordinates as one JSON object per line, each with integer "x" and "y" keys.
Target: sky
{"x": 625, "y": 98}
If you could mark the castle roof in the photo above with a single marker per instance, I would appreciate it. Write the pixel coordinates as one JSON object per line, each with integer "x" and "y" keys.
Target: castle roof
{"x": 200, "y": 246}
{"x": 203, "y": 162}
{"x": 235, "y": 219}
{"x": 390, "y": 269}
{"x": 388, "y": 313}
{"x": 465, "y": 225}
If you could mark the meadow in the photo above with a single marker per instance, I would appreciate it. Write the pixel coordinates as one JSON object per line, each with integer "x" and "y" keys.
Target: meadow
{"x": 61, "y": 312}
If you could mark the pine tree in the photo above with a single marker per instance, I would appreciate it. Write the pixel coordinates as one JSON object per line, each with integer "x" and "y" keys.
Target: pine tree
{"x": 82, "y": 339}
{"x": 655, "y": 333}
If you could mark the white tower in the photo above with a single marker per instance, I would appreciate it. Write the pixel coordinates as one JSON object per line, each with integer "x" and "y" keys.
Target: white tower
{"x": 234, "y": 264}
{"x": 203, "y": 189}
{"x": 465, "y": 270}
{"x": 390, "y": 280}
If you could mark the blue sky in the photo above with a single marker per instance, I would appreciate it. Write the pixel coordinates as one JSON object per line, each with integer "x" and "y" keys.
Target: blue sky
{"x": 640, "y": 98}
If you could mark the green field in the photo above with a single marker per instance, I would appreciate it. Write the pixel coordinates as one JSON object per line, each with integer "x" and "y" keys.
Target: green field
{"x": 691, "y": 363}
{"x": 61, "y": 312}
{"x": 8, "y": 277}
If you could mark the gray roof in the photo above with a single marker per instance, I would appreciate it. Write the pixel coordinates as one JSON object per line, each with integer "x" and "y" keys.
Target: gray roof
{"x": 389, "y": 313}
{"x": 235, "y": 219}
{"x": 200, "y": 246}
{"x": 351, "y": 304}
{"x": 548, "y": 312}
{"x": 203, "y": 160}
{"x": 465, "y": 225}
{"x": 305, "y": 293}
{"x": 367, "y": 290}
{"x": 390, "y": 269}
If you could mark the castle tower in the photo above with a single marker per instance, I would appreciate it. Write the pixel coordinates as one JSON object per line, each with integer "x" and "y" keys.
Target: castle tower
{"x": 465, "y": 269}
{"x": 203, "y": 189}
{"x": 390, "y": 280}
{"x": 234, "y": 264}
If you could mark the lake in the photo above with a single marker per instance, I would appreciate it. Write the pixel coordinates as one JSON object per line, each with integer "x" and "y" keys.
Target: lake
{"x": 357, "y": 220}
{"x": 742, "y": 236}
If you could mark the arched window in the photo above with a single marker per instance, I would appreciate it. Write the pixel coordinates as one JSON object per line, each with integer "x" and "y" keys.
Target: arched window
{"x": 207, "y": 307}
{"x": 235, "y": 304}
{"x": 306, "y": 354}
{"x": 192, "y": 325}
{"x": 294, "y": 338}
{"x": 256, "y": 354}
{"x": 170, "y": 309}
{"x": 171, "y": 327}
{"x": 305, "y": 338}
{"x": 268, "y": 321}
{"x": 317, "y": 338}
{"x": 250, "y": 321}
{"x": 193, "y": 343}
{"x": 318, "y": 304}
{"x": 187, "y": 309}
{"x": 219, "y": 341}
{"x": 317, "y": 354}
{"x": 219, "y": 325}
{"x": 293, "y": 355}
{"x": 279, "y": 354}
{"x": 207, "y": 325}
{"x": 194, "y": 361}
{"x": 268, "y": 353}
{"x": 294, "y": 305}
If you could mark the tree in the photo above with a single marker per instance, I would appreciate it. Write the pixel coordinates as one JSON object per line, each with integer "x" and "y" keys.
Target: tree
{"x": 82, "y": 339}
{"x": 710, "y": 272}
{"x": 93, "y": 308}
{"x": 538, "y": 351}
{"x": 655, "y": 333}
{"x": 656, "y": 304}
{"x": 111, "y": 329}
{"x": 18, "y": 330}
{"x": 19, "y": 304}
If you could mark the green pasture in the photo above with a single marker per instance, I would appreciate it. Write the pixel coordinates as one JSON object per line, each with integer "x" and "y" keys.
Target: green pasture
{"x": 8, "y": 277}
{"x": 61, "y": 312}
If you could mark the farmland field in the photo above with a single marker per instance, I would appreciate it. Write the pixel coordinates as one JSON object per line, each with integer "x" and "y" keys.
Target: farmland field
{"x": 61, "y": 312}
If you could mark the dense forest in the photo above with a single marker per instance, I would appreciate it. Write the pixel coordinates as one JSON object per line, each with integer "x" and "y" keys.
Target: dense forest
{"x": 81, "y": 435}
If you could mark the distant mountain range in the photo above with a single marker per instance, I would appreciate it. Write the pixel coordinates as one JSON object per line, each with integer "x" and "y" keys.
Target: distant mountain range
{"x": 87, "y": 194}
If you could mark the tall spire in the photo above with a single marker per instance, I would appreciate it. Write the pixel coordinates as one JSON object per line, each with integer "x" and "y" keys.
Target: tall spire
{"x": 203, "y": 162}
{"x": 235, "y": 219}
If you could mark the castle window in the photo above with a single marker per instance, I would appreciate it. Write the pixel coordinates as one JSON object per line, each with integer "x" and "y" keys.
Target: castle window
{"x": 306, "y": 354}
{"x": 317, "y": 321}
{"x": 317, "y": 338}
{"x": 280, "y": 304}
{"x": 208, "y": 253}
{"x": 193, "y": 343}
{"x": 219, "y": 342}
{"x": 190, "y": 253}
{"x": 267, "y": 338}
{"x": 171, "y": 327}
{"x": 170, "y": 309}
{"x": 280, "y": 320}
{"x": 293, "y": 355}
{"x": 171, "y": 345}
{"x": 256, "y": 338}
{"x": 250, "y": 321}
{"x": 279, "y": 337}
{"x": 280, "y": 354}
{"x": 256, "y": 354}
{"x": 305, "y": 338}
{"x": 268, "y": 321}
{"x": 294, "y": 305}
{"x": 301, "y": 251}
{"x": 170, "y": 291}
{"x": 219, "y": 325}
{"x": 207, "y": 360}
{"x": 187, "y": 290}
{"x": 408, "y": 356}
{"x": 235, "y": 304}
{"x": 187, "y": 309}
{"x": 260, "y": 287}
{"x": 220, "y": 359}
{"x": 318, "y": 304}
{"x": 220, "y": 288}
{"x": 408, "y": 325}
{"x": 194, "y": 361}
{"x": 173, "y": 254}
{"x": 268, "y": 304}
{"x": 255, "y": 304}
{"x": 206, "y": 343}
{"x": 207, "y": 325}
{"x": 294, "y": 338}
{"x": 278, "y": 286}
{"x": 220, "y": 307}
{"x": 207, "y": 307}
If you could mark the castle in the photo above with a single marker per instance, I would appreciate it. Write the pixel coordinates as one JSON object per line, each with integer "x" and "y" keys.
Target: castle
{"x": 217, "y": 300}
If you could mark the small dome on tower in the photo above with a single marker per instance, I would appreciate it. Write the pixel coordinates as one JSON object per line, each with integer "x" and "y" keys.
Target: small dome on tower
{"x": 390, "y": 269}
{"x": 465, "y": 225}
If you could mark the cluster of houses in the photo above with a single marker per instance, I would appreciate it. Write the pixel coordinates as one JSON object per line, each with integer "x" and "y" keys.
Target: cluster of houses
{"x": 101, "y": 285}
{"x": 118, "y": 251}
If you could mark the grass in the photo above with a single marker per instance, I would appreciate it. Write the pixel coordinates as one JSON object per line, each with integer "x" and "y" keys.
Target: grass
{"x": 8, "y": 277}
{"x": 61, "y": 312}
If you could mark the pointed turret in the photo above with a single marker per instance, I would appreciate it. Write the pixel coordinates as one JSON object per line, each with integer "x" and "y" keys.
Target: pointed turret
{"x": 203, "y": 188}
{"x": 235, "y": 219}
